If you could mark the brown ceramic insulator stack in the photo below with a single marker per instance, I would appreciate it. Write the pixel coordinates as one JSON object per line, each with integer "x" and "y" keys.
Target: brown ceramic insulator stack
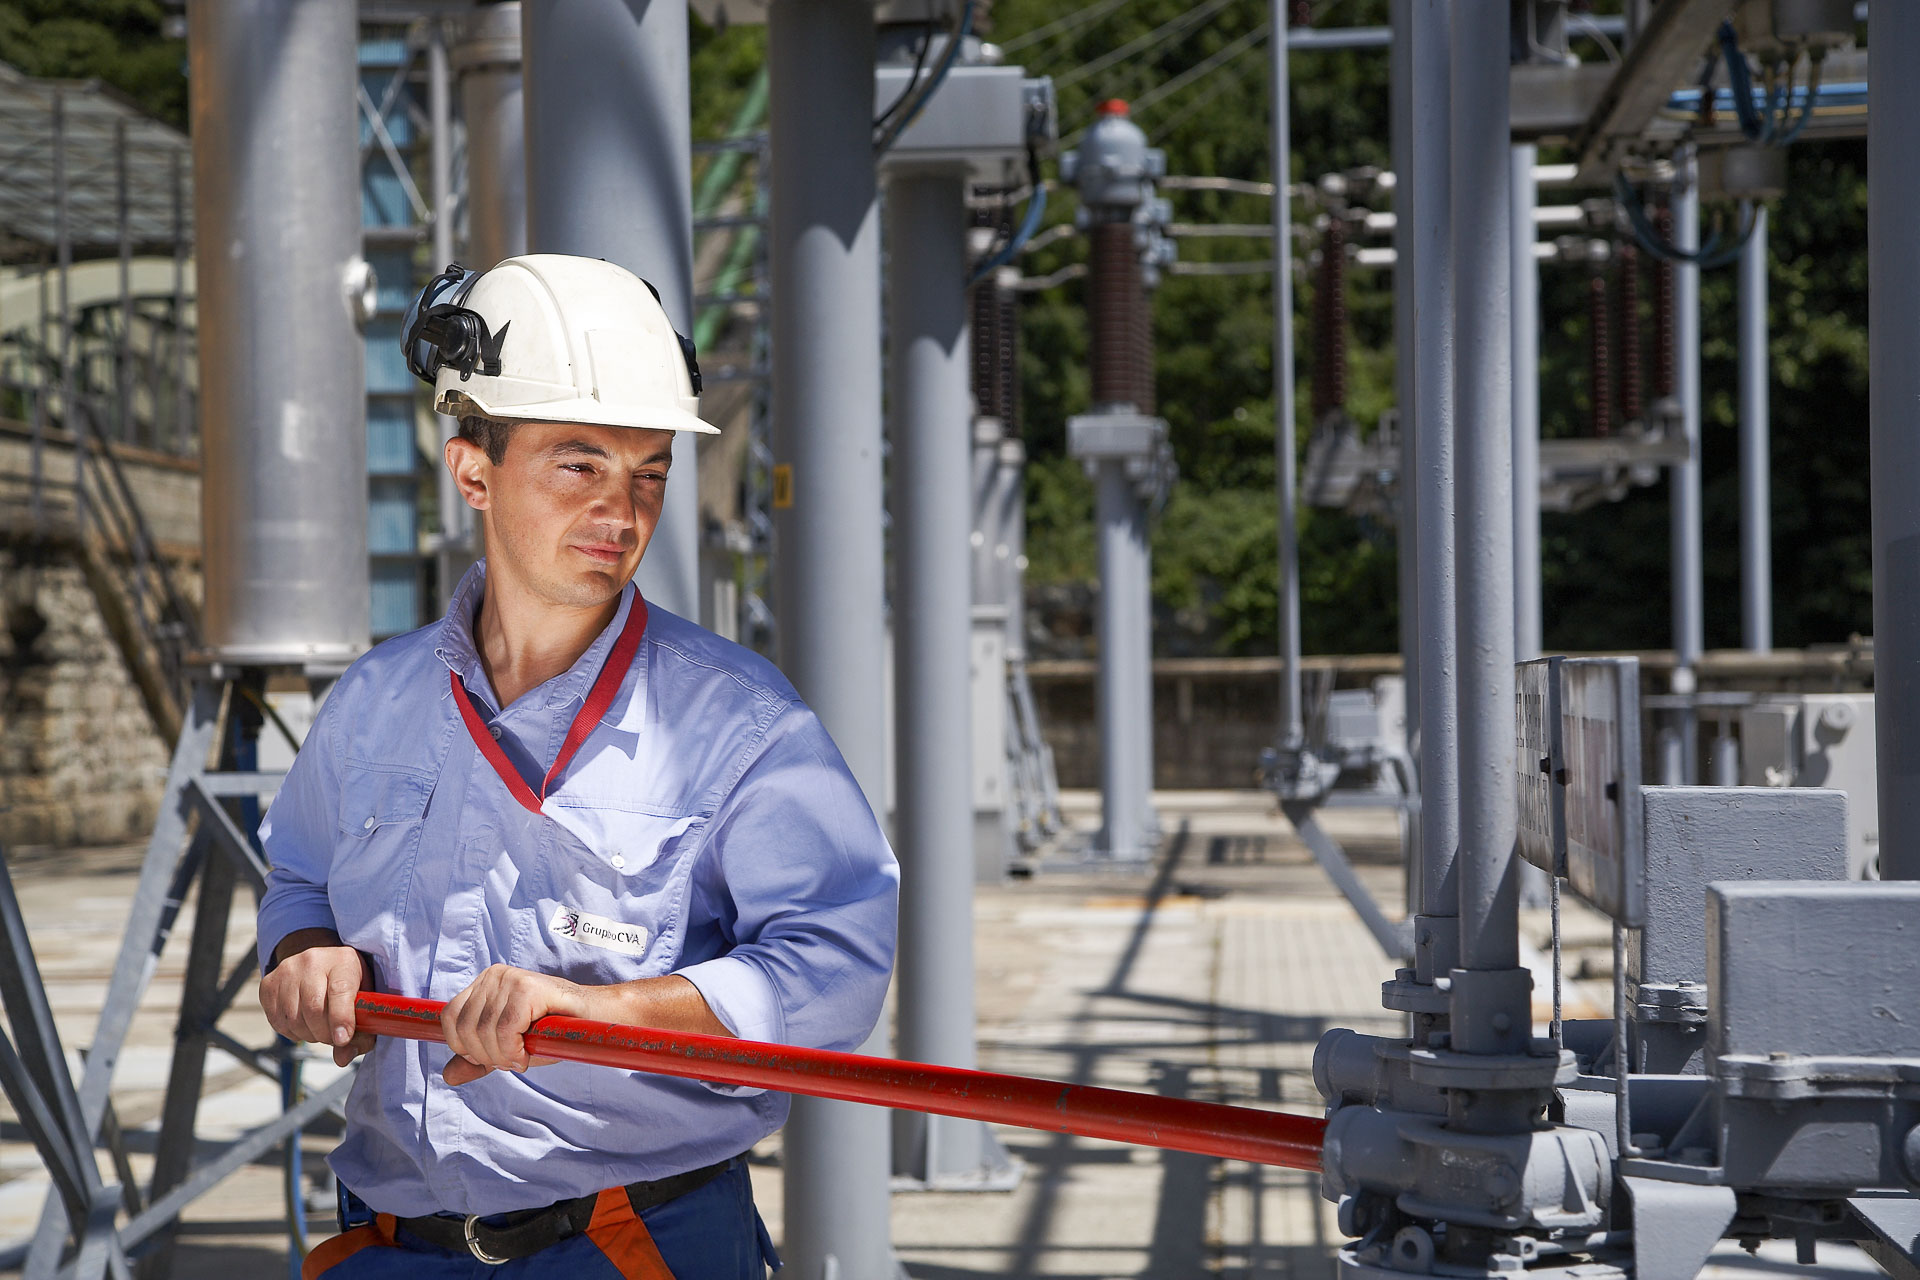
{"x": 1599, "y": 355}
{"x": 1632, "y": 393}
{"x": 1663, "y": 370}
{"x": 1145, "y": 385}
{"x": 1330, "y": 324}
{"x": 1113, "y": 306}
{"x": 1007, "y": 355}
{"x": 984, "y": 316}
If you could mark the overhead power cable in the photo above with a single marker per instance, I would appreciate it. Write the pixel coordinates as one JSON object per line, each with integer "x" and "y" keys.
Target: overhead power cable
{"x": 1171, "y": 29}
{"x": 1080, "y": 17}
{"x": 1226, "y": 53}
{"x": 1235, "y": 77}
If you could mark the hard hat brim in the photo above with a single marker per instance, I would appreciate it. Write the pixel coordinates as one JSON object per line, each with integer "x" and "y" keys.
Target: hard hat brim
{"x": 587, "y": 411}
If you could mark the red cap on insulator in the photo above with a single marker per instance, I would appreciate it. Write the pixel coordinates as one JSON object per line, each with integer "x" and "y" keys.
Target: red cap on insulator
{"x": 1112, "y": 107}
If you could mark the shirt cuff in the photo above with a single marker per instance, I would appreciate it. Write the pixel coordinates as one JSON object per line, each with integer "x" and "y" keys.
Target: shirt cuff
{"x": 743, "y": 998}
{"x": 279, "y": 919}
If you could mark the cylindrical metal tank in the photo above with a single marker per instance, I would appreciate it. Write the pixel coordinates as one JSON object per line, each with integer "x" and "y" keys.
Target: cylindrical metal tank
{"x": 487, "y": 61}
{"x": 282, "y": 292}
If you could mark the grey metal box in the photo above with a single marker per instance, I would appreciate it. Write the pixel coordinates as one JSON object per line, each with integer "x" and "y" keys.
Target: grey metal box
{"x": 984, "y": 117}
{"x": 1114, "y": 435}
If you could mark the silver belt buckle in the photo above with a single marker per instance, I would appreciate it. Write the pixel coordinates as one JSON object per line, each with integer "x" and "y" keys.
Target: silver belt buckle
{"x": 473, "y": 1244}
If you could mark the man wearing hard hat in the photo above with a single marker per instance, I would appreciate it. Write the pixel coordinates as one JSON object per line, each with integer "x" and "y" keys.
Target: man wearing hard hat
{"x": 560, "y": 800}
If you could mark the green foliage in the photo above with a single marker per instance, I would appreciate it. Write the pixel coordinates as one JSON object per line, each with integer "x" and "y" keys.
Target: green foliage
{"x": 119, "y": 42}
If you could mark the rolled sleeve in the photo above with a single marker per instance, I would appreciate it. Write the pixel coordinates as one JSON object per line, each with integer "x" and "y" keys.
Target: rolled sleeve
{"x": 812, "y": 889}
{"x": 297, "y": 836}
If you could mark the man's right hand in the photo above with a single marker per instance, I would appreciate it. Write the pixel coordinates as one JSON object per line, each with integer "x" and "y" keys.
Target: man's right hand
{"x": 310, "y": 993}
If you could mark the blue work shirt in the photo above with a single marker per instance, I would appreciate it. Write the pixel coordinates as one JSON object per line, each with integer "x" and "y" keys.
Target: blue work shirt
{"x": 707, "y": 827}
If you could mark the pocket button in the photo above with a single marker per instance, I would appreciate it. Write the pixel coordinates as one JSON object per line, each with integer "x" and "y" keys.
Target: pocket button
{"x": 368, "y": 824}
{"x": 619, "y": 862}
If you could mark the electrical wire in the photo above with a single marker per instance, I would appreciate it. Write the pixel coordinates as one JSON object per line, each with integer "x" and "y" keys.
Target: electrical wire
{"x": 1036, "y": 210}
{"x": 1176, "y": 26}
{"x": 1707, "y": 257}
{"x": 1226, "y": 53}
{"x": 962, "y": 27}
{"x": 1078, "y": 18}
{"x": 913, "y": 82}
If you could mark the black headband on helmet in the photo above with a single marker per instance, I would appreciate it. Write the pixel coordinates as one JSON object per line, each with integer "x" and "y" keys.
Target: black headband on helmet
{"x": 439, "y": 333}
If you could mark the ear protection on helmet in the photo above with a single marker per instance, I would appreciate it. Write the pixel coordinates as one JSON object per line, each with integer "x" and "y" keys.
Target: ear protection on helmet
{"x": 440, "y": 333}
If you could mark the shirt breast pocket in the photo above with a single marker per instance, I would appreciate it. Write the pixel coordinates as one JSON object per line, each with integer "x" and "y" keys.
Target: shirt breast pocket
{"x": 381, "y": 814}
{"x": 612, "y": 892}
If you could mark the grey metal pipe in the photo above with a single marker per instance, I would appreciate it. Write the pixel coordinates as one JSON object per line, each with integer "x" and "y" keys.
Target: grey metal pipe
{"x": 487, "y": 61}
{"x": 1893, "y": 323}
{"x": 1756, "y": 514}
{"x": 1689, "y": 610}
{"x": 1400, "y": 127}
{"x": 1011, "y": 552}
{"x": 1428, "y": 201}
{"x": 609, "y": 150}
{"x": 123, "y": 347}
{"x": 984, "y": 471}
{"x": 1125, "y": 675}
{"x": 276, "y": 164}
{"x": 931, "y": 403}
{"x": 824, "y": 244}
{"x": 1292, "y": 728}
{"x": 457, "y": 551}
{"x": 1483, "y": 488}
{"x": 1526, "y": 405}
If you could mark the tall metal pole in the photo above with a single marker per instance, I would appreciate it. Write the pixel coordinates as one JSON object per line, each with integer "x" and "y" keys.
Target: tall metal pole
{"x": 1893, "y": 325}
{"x": 824, "y": 244}
{"x": 1292, "y": 727}
{"x": 182, "y": 397}
{"x": 457, "y": 550}
{"x": 932, "y": 403}
{"x": 1756, "y": 515}
{"x": 1429, "y": 206}
{"x": 1483, "y": 495}
{"x": 492, "y": 105}
{"x": 1526, "y": 405}
{"x": 1689, "y": 613}
{"x": 123, "y": 348}
{"x": 609, "y": 148}
{"x": 1401, "y": 125}
{"x": 283, "y": 443}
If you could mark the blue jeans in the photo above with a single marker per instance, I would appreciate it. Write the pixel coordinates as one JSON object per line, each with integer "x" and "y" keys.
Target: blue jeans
{"x": 711, "y": 1233}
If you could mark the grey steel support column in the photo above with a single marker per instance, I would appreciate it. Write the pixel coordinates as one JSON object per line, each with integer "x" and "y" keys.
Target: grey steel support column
{"x": 1010, "y": 554}
{"x": 276, "y": 183}
{"x": 1756, "y": 514}
{"x": 1292, "y": 726}
{"x": 932, "y": 404}
{"x": 456, "y": 548}
{"x": 492, "y": 105}
{"x": 182, "y": 396}
{"x": 824, "y": 245}
{"x": 1125, "y": 678}
{"x": 1526, "y": 405}
{"x": 609, "y": 149}
{"x": 1689, "y": 613}
{"x": 1486, "y": 1016}
{"x": 1429, "y": 208}
{"x": 1893, "y": 326}
{"x": 1400, "y": 127}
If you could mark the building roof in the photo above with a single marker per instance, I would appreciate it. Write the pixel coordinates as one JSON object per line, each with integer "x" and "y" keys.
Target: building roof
{"x": 91, "y": 120}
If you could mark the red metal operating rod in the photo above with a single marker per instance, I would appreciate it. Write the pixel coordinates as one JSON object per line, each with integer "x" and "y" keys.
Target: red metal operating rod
{"x": 1179, "y": 1124}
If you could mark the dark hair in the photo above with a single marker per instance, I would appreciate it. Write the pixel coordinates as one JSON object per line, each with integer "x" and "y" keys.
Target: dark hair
{"x": 489, "y": 434}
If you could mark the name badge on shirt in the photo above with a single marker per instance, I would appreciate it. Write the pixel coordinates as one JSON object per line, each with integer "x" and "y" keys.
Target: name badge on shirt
{"x": 599, "y": 931}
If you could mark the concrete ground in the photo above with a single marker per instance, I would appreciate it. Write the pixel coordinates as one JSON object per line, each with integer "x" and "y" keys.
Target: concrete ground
{"x": 1210, "y": 975}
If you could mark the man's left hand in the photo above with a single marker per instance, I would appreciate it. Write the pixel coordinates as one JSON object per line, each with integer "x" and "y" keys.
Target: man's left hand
{"x": 486, "y": 1024}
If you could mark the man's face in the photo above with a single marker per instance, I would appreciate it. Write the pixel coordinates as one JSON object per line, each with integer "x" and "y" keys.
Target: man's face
{"x": 570, "y": 508}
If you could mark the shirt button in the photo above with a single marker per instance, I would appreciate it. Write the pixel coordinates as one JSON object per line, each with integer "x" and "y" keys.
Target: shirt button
{"x": 618, "y": 862}
{"x": 494, "y": 730}
{"x": 368, "y": 824}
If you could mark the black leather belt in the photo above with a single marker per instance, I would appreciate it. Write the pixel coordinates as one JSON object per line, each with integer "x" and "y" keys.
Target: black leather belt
{"x": 522, "y": 1234}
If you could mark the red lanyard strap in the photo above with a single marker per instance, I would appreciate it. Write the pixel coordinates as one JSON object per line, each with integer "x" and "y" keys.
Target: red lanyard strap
{"x": 605, "y": 686}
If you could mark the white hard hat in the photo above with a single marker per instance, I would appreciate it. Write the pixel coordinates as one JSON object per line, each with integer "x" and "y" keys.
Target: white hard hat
{"x": 549, "y": 337}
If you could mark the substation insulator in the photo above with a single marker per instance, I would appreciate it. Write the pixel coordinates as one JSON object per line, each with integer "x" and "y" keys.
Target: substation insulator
{"x": 1146, "y": 386}
{"x": 1632, "y": 389}
{"x": 1330, "y": 323}
{"x": 984, "y": 308}
{"x": 1007, "y": 356}
{"x": 1663, "y": 367}
{"x": 1113, "y": 301}
{"x": 1600, "y": 356}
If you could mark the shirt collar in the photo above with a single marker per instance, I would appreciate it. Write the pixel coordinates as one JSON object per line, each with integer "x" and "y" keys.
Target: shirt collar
{"x": 458, "y": 648}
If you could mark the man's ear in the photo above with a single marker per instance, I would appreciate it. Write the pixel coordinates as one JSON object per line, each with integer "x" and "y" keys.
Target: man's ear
{"x": 472, "y": 472}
